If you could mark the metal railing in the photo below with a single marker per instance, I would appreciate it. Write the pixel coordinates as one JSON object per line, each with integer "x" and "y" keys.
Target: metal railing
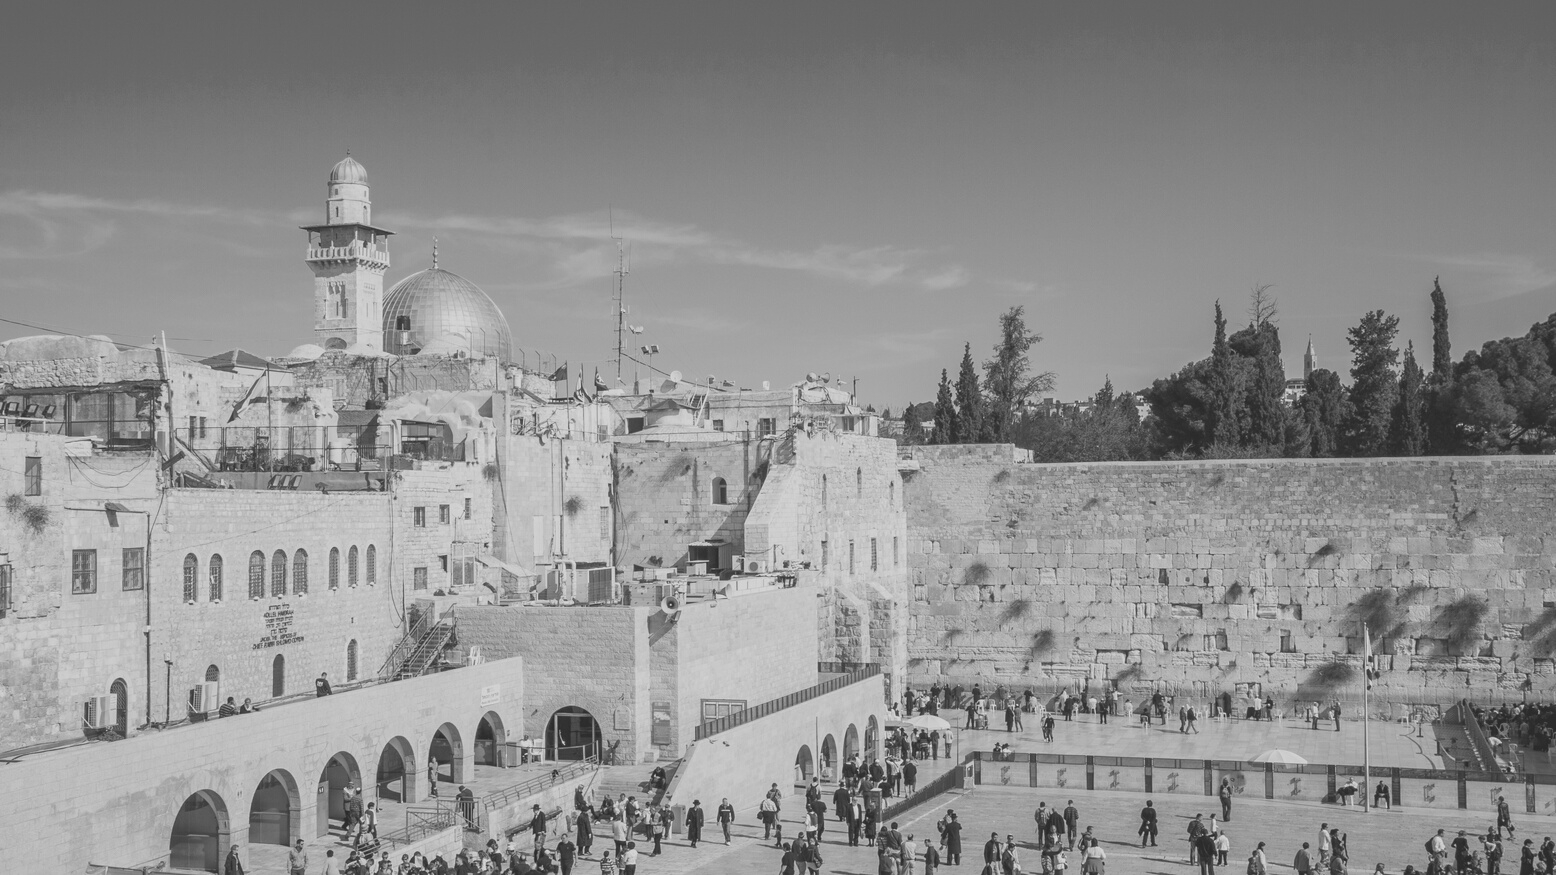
{"x": 925, "y": 793}
{"x": 283, "y": 448}
{"x": 534, "y": 785}
{"x": 1484, "y": 752}
{"x": 352, "y": 250}
{"x": 403, "y": 649}
{"x": 739, "y": 718}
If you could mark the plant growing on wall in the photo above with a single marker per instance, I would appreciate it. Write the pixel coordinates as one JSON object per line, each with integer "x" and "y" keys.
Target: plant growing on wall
{"x": 489, "y": 471}
{"x": 1041, "y": 643}
{"x": 1459, "y": 620}
{"x": 1326, "y": 678}
{"x": 1322, "y": 553}
{"x": 1015, "y": 611}
{"x": 1233, "y": 592}
{"x": 573, "y": 505}
{"x": 36, "y": 516}
{"x": 976, "y": 574}
{"x": 15, "y": 503}
{"x": 1131, "y": 673}
{"x": 952, "y": 635}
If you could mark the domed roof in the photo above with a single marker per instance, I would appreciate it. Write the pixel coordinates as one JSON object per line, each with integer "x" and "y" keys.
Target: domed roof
{"x": 427, "y": 310}
{"x": 348, "y": 170}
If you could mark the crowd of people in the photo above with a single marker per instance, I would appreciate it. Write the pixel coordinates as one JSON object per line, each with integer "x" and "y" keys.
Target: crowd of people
{"x": 1531, "y": 725}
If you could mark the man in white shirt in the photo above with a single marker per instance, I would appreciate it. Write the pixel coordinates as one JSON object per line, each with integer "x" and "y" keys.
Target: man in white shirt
{"x": 1324, "y": 846}
{"x": 629, "y": 860}
{"x": 909, "y": 852}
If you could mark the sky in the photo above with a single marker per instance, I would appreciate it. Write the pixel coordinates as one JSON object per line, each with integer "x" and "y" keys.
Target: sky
{"x": 855, "y": 189}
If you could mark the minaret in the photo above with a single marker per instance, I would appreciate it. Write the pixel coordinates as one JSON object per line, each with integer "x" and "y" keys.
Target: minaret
{"x": 348, "y": 257}
{"x": 1309, "y": 360}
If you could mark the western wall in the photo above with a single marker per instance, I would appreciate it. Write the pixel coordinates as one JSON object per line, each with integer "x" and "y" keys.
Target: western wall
{"x": 1203, "y": 578}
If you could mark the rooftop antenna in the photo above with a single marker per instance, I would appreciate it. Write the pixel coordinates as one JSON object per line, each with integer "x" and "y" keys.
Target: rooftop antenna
{"x": 618, "y": 283}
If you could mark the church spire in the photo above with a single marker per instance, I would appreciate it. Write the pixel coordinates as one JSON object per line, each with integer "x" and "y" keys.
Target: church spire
{"x": 1309, "y": 359}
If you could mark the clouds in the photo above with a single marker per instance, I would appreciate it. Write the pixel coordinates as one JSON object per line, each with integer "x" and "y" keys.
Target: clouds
{"x": 1498, "y": 275}
{"x": 558, "y": 252}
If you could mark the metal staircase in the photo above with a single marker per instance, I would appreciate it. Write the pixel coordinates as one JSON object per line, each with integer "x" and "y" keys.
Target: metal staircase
{"x": 420, "y": 649}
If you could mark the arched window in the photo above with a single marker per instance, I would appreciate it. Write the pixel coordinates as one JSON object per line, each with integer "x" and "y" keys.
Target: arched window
{"x": 334, "y": 568}
{"x": 372, "y": 565}
{"x": 300, "y": 572}
{"x": 858, "y": 482}
{"x": 256, "y": 575}
{"x": 351, "y": 566}
{"x": 278, "y": 677}
{"x": 191, "y": 578}
{"x": 278, "y": 574}
{"x": 351, "y": 660}
{"x": 720, "y": 491}
{"x": 212, "y": 674}
{"x": 823, "y": 490}
{"x": 216, "y": 577}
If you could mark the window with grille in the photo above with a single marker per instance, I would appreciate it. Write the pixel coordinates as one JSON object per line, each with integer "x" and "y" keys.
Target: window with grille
{"x": 351, "y": 660}
{"x": 469, "y": 508}
{"x": 215, "y": 573}
{"x": 132, "y": 567}
{"x": 443, "y": 514}
{"x": 419, "y": 577}
{"x": 823, "y": 490}
{"x": 874, "y": 565}
{"x": 766, "y": 427}
{"x": 372, "y": 565}
{"x": 278, "y": 574}
{"x": 351, "y": 566}
{"x": 714, "y": 709}
{"x": 891, "y": 493}
{"x": 5, "y": 590}
{"x": 83, "y": 571}
{"x": 300, "y": 571}
{"x": 850, "y": 557}
{"x": 191, "y": 578}
{"x": 605, "y": 523}
{"x": 334, "y": 568}
{"x": 256, "y": 575}
{"x": 823, "y": 554}
{"x": 419, "y": 517}
{"x": 32, "y": 476}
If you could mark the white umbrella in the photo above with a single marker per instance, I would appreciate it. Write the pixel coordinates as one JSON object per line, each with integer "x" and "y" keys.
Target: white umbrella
{"x": 928, "y": 722}
{"x": 1283, "y": 757}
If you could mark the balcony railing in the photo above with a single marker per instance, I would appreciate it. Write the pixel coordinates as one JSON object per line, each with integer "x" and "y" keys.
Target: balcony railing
{"x": 343, "y": 253}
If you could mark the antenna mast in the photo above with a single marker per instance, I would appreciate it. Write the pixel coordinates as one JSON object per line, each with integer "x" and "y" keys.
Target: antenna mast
{"x": 619, "y": 281}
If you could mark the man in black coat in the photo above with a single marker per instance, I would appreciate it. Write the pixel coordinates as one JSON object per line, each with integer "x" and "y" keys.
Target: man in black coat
{"x": 991, "y": 850}
{"x": 694, "y": 819}
{"x": 951, "y": 835}
{"x": 1147, "y": 825}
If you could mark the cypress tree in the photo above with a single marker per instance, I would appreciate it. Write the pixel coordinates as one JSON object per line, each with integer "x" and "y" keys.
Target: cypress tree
{"x": 1409, "y": 434}
{"x": 945, "y": 414}
{"x": 1442, "y": 436}
{"x": 969, "y": 401}
{"x": 1374, "y": 384}
{"x": 1008, "y": 381}
{"x": 1442, "y": 358}
{"x": 1223, "y": 426}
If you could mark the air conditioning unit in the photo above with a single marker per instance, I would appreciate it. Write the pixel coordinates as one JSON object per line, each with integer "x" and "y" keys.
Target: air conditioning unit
{"x": 204, "y": 698}
{"x": 99, "y": 712}
{"x": 755, "y": 566}
{"x": 738, "y": 564}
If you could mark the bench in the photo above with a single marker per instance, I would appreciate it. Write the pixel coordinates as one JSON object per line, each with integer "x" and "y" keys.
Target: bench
{"x": 553, "y": 816}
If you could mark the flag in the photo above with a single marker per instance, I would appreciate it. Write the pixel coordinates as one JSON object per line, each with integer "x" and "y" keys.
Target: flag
{"x": 560, "y": 375}
{"x": 1368, "y": 665}
{"x": 599, "y": 384}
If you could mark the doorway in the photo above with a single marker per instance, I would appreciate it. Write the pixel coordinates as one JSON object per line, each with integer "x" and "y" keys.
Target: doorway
{"x": 572, "y": 734}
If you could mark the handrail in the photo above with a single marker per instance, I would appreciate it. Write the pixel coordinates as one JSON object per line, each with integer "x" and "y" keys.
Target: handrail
{"x": 540, "y": 782}
{"x": 933, "y": 788}
{"x": 397, "y": 656}
{"x": 1477, "y": 735}
{"x": 739, "y": 718}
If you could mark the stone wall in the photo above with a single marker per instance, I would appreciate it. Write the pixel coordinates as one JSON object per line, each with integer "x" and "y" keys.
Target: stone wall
{"x": 437, "y": 544}
{"x": 549, "y": 497}
{"x": 241, "y": 636}
{"x": 116, "y": 802}
{"x": 1210, "y": 577}
{"x": 665, "y": 497}
{"x": 592, "y": 658}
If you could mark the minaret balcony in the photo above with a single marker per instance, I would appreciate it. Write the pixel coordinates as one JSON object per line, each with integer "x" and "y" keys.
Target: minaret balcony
{"x": 355, "y": 251}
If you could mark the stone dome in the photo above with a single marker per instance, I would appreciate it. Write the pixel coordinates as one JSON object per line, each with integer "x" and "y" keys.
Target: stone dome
{"x": 443, "y": 313}
{"x": 349, "y": 171}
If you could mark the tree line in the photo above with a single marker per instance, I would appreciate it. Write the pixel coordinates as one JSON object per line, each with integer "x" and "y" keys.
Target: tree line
{"x": 1235, "y": 402}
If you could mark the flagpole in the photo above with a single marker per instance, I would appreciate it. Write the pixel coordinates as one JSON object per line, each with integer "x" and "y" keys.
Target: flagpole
{"x": 1366, "y": 718}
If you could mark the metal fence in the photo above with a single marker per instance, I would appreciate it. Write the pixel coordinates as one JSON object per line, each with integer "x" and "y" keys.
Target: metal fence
{"x": 739, "y": 718}
{"x": 308, "y": 448}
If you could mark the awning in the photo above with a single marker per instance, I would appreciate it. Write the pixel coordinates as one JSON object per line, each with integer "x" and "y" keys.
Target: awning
{"x": 491, "y": 561}
{"x": 116, "y": 507}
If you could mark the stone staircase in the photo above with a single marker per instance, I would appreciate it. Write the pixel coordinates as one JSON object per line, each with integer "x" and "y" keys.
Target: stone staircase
{"x": 631, "y": 780}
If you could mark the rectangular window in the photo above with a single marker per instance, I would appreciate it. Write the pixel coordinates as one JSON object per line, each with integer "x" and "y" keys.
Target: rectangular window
{"x": 713, "y": 709}
{"x": 443, "y": 562}
{"x": 766, "y": 426}
{"x": 823, "y": 554}
{"x": 605, "y": 523}
{"x": 874, "y": 564}
{"x": 469, "y": 508}
{"x": 443, "y": 514}
{"x": 660, "y": 731}
{"x": 83, "y": 571}
{"x": 419, "y": 577}
{"x": 134, "y": 568}
{"x": 895, "y": 562}
{"x": 850, "y": 557}
{"x": 419, "y": 517}
{"x": 718, "y": 425}
{"x": 33, "y": 476}
{"x": 1288, "y": 642}
{"x": 5, "y": 590}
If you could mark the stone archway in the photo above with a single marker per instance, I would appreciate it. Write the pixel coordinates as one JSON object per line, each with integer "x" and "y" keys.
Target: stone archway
{"x": 489, "y": 739}
{"x": 201, "y": 835}
{"x": 850, "y": 742}
{"x": 829, "y": 763}
{"x": 572, "y": 733}
{"x": 338, "y": 773}
{"x": 872, "y": 739}
{"x": 804, "y": 765}
{"x": 396, "y": 774}
{"x": 275, "y": 811}
{"x": 446, "y": 754}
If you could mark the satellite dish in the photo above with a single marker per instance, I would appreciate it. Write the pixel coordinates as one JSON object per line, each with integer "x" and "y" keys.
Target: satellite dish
{"x": 827, "y": 377}
{"x": 635, "y": 329}
{"x": 670, "y": 604}
{"x": 675, "y": 376}
{"x": 811, "y": 377}
{"x": 767, "y": 385}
